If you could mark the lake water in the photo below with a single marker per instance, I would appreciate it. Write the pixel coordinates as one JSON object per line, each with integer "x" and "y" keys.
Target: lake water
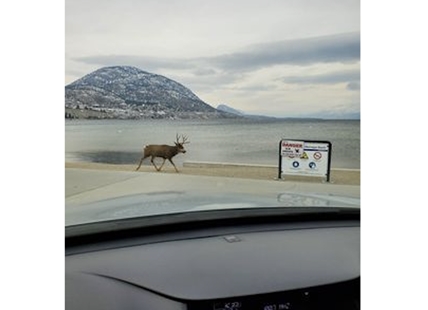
{"x": 231, "y": 141}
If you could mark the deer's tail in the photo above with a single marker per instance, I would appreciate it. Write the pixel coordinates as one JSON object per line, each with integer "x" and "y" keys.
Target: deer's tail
{"x": 142, "y": 158}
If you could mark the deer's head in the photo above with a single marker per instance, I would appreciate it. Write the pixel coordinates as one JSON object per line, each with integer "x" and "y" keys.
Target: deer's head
{"x": 180, "y": 144}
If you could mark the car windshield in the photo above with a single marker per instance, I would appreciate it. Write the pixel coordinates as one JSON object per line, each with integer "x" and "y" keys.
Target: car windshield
{"x": 183, "y": 107}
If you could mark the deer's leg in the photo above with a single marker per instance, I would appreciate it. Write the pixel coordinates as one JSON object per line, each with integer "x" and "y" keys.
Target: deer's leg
{"x": 173, "y": 164}
{"x": 141, "y": 161}
{"x": 153, "y": 162}
{"x": 162, "y": 164}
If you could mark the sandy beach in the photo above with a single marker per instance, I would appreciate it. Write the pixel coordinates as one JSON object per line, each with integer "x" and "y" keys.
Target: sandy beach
{"x": 337, "y": 176}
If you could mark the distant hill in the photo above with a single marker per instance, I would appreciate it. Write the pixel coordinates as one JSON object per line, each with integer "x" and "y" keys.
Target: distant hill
{"x": 128, "y": 92}
{"x": 226, "y": 108}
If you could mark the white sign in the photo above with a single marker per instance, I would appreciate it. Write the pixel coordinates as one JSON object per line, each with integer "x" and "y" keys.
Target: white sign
{"x": 305, "y": 158}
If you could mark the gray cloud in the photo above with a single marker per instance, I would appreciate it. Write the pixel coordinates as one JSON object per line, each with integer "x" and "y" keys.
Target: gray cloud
{"x": 353, "y": 86}
{"x": 348, "y": 76}
{"x": 202, "y": 71}
{"x": 207, "y": 83}
{"x": 141, "y": 62}
{"x": 326, "y": 49}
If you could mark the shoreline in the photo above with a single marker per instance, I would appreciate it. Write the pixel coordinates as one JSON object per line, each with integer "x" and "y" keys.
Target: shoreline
{"x": 231, "y": 170}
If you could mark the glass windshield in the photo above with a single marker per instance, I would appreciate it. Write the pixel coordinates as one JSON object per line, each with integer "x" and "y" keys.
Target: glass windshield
{"x": 175, "y": 107}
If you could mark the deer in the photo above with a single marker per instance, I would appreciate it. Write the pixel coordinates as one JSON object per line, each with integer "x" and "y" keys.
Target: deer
{"x": 164, "y": 151}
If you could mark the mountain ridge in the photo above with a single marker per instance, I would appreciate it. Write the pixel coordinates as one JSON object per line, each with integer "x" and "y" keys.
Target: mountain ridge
{"x": 128, "y": 92}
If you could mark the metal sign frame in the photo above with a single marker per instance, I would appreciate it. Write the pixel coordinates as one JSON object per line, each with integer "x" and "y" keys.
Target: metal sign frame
{"x": 298, "y": 149}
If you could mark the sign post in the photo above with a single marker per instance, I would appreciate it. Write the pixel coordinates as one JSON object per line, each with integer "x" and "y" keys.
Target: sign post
{"x": 307, "y": 158}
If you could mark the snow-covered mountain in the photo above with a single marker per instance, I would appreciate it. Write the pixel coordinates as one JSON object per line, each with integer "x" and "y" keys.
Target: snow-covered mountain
{"x": 128, "y": 92}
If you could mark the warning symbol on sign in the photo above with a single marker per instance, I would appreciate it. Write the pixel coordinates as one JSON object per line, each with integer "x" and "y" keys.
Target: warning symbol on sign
{"x": 292, "y": 148}
{"x": 317, "y": 155}
{"x": 304, "y": 156}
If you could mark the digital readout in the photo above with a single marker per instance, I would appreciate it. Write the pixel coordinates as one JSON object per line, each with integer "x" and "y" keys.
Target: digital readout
{"x": 280, "y": 306}
{"x": 236, "y": 305}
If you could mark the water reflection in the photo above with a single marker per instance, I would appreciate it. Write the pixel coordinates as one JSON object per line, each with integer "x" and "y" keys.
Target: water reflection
{"x": 109, "y": 157}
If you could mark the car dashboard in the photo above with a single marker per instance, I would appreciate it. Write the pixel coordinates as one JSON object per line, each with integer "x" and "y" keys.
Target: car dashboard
{"x": 234, "y": 259}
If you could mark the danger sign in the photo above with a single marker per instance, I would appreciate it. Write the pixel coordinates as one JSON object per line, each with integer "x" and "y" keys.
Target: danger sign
{"x": 292, "y": 148}
{"x": 308, "y": 158}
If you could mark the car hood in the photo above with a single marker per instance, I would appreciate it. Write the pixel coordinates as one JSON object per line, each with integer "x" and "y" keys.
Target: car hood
{"x": 173, "y": 202}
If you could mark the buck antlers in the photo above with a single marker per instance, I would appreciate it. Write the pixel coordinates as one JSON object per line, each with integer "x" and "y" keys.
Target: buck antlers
{"x": 164, "y": 151}
{"x": 184, "y": 138}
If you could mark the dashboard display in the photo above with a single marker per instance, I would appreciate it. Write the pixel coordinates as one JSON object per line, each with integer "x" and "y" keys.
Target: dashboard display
{"x": 236, "y": 305}
{"x": 344, "y": 295}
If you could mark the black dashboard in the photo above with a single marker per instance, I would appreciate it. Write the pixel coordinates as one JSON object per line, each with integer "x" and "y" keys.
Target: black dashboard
{"x": 252, "y": 260}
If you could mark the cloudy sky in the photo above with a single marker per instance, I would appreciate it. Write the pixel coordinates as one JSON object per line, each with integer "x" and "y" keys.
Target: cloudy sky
{"x": 272, "y": 57}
